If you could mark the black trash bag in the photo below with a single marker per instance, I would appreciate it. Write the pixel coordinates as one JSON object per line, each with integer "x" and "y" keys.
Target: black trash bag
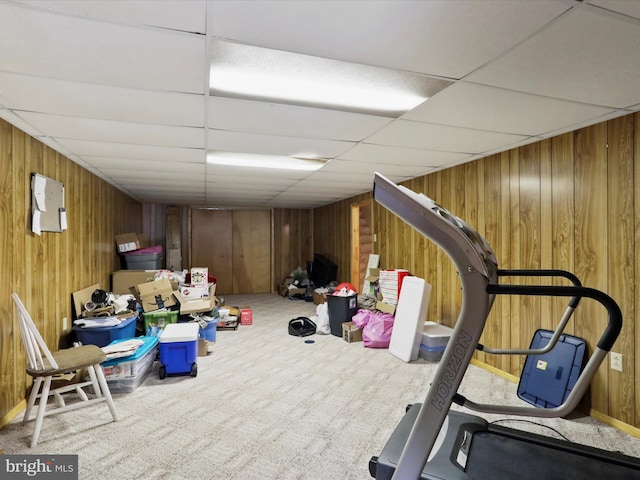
{"x": 302, "y": 327}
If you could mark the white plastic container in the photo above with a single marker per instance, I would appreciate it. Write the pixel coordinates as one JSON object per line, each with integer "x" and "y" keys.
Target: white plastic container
{"x": 434, "y": 341}
{"x": 435, "y": 335}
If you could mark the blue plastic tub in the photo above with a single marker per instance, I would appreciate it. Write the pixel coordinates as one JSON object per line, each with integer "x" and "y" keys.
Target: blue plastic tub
{"x": 431, "y": 354}
{"x": 209, "y": 332}
{"x": 102, "y": 336}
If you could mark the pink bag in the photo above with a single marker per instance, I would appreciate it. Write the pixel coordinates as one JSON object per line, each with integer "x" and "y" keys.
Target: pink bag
{"x": 377, "y": 332}
{"x": 361, "y": 318}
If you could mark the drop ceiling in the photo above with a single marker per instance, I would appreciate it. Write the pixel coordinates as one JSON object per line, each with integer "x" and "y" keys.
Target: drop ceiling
{"x": 121, "y": 87}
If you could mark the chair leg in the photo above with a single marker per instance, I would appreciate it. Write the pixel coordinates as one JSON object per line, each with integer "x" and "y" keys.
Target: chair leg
{"x": 105, "y": 390}
{"x": 35, "y": 388}
{"x": 42, "y": 407}
{"x": 94, "y": 380}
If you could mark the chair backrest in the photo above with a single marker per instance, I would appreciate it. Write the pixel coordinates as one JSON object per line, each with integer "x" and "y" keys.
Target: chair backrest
{"x": 34, "y": 345}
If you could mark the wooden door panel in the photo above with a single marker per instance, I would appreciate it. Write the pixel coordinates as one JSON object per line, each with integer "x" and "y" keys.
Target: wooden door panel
{"x": 211, "y": 245}
{"x": 251, "y": 251}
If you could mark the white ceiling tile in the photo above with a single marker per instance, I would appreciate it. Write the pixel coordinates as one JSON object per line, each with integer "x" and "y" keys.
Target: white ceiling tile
{"x": 152, "y": 186}
{"x": 243, "y": 172}
{"x": 465, "y": 105}
{"x": 403, "y": 133}
{"x": 626, "y": 7}
{"x": 250, "y": 181}
{"x": 585, "y": 55}
{"x": 63, "y": 97}
{"x": 134, "y": 152}
{"x": 113, "y": 84}
{"x": 444, "y": 38}
{"x": 291, "y": 121}
{"x": 116, "y": 132}
{"x": 172, "y": 14}
{"x": 157, "y": 176}
{"x": 242, "y": 142}
{"x": 127, "y": 164}
{"x": 17, "y": 121}
{"x": 385, "y": 154}
{"x": 369, "y": 168}
{"x": 92, "y": 51}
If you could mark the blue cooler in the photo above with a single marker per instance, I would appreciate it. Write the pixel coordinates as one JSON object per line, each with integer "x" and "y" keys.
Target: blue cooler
{"x": 179, "y": 349}
{"x": 125, "y": 374}
{"x": 102, "y": 336}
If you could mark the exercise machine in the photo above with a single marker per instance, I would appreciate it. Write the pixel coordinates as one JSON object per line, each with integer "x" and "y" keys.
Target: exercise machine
{"x": 434, "y": 442}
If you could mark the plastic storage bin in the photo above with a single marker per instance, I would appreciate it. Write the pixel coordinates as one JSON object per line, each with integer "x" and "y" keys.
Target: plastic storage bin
{"x": 159, "y": 318}
{"x": 102, "y": 336}
{"x": 179, "y": 349}
{"x": 431, "y": 354}
{"x": 144, "y": 259}
{"x": 126, "y": 374}
{"x": 434, "y": 341}
{"x": 341, "y": 310}
{"x": 435, "y": 335}
{"x": 547, "y": 379}
{"x": 209, "y": 332}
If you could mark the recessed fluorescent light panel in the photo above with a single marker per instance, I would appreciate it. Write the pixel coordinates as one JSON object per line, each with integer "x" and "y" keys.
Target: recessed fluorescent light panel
{"x": 254, "y": 160}
{"x": 248, "y": 72}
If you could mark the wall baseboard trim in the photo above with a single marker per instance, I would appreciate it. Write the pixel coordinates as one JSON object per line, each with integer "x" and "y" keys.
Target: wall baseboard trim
{"x": 601, "y": 417}
{"x": 13, "y": 413}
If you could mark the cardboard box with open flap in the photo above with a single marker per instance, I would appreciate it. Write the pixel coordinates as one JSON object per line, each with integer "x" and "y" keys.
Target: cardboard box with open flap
{"x": 196, "y": 305}
{"x": 155, "y": 295}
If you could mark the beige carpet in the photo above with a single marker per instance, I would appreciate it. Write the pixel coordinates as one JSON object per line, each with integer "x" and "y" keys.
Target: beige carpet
{"x": 266, "y": 405}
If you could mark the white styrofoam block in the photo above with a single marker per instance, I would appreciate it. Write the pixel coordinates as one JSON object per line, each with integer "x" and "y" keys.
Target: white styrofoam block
{"x": 409, "y": 318}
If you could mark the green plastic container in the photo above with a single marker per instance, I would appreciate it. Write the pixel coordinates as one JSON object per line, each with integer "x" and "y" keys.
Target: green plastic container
{"x": 160, "y": 319}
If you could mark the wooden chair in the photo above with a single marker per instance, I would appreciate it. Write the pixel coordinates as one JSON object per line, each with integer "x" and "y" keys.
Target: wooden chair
{"x": 44, "y": 365}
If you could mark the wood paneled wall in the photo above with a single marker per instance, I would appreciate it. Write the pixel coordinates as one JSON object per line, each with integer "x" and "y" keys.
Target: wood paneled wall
{"x": 567, "y": 203}
{"x": 44, "y": 270}
{"x": 332, "y": 233}
{"x": 292, "y": 241}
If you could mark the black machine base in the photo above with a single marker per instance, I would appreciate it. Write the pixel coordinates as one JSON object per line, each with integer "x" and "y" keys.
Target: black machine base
{"x": 473, "y": 449}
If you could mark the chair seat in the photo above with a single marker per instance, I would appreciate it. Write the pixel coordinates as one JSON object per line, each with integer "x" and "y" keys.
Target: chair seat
{"x": 72, "y": 359}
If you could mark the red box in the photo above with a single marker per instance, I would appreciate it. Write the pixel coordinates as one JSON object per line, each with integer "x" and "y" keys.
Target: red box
{"x": 246, "y": 316}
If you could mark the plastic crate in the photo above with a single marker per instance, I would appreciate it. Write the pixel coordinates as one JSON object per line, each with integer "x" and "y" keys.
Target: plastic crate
{"x": 159, "y": 318}
{"x": 102, "y": 336}
{"x": 126, "y": 374}
{"x": 547, "y": 379}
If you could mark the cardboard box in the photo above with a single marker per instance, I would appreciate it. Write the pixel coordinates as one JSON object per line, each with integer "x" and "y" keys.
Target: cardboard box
{"x": 319, "y": 298}
{"x": 386, "y": 307}
{"x": 372, "y": 280}
{"x": 128, "y": 242}
{"x": 123, "y": 280}
{"x": 283, "y": 288}
{"x": 196, "y": 305}
{"x": 81, "y": 297}
{"x": 351, "y": 333}
{"x": 200, "y": 276}
{"x": 246, "y": 316}
{"x": 155, "y": 295}
{"x": 203, "y": 347}
{"x": 192, "y": 291}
